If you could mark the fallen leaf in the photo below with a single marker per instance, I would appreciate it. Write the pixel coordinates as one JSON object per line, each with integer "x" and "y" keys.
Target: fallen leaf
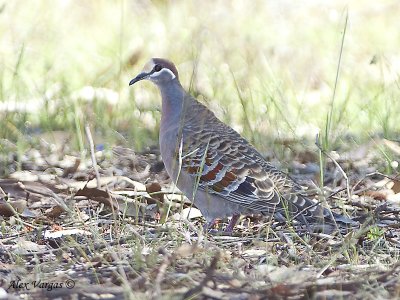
{"x": 24, "y": 176}
{"x": 129, "y": 207}
{"x": 187, "y": 213}
{"x": 66, "y": 232}
{"x": 54, "y": 212}
{"x": 72, "y": 169}
{"x": 154, "y": 190}
{"x": 133, "y": 208}
{"x": 377, "y": 195}
{"x": 185, "y": 250}
{"x": 282, "y": 290}
{"x": 91, "y": 193}
{"x": 395, "y": 147}
{"x": 212, "y": 294}
{"x": 333, "y": 294}
{"x": 394, "y": 199}
{"x": 28, "y": 214}
{"x": 254, "y": 253}
{"x": 396, "y": 186}
{"x": 104, "y": 181}
{"x": 27, "y": 247}
{"x": 3, "y": 293}
{"x": 10, "y": 208}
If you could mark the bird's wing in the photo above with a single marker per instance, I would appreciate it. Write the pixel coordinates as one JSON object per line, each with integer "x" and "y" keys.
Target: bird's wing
{"x": 224, "y": 163}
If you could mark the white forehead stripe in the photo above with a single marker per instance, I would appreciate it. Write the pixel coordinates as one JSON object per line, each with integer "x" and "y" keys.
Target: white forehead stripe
{"x": 163, "y": 70}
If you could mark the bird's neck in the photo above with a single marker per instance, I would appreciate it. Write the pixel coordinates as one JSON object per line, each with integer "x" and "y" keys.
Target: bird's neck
{"x": 173, "y": 97}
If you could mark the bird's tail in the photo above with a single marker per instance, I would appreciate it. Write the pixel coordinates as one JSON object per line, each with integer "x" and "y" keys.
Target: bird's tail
{"x": 316, "y": 217}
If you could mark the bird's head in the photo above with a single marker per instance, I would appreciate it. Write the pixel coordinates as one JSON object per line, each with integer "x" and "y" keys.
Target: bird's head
{"x": 157, "y": 70}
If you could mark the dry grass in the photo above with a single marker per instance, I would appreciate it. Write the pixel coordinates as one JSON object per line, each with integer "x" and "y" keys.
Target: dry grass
{"x": 267, "y": 69}
{"x": 69, "y": 231}
{"x": 284, "y": 57}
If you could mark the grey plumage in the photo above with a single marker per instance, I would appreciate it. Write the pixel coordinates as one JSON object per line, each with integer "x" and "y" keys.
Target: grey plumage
{"x": 217, "y": 168}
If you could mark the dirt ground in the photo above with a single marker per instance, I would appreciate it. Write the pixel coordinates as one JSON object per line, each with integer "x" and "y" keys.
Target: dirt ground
{"x": 131, "y": 234}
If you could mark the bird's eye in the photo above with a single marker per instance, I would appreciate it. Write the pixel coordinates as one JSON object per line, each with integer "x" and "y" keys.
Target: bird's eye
{"x": 157, "y": 68}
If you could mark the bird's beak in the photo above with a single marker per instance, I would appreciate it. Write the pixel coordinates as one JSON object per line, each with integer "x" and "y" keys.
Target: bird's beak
{"x": 140, "y": 76}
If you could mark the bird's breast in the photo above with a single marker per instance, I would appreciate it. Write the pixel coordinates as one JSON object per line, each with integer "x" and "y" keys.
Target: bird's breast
{"x": 169, "y": 147}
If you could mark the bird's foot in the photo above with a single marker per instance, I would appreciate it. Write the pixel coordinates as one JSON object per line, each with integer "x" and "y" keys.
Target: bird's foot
{"x": 208, "y": 227}
{"x": 232, "y": 223}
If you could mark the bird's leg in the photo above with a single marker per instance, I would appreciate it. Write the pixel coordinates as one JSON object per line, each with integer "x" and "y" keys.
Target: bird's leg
{"x": 207, "y": 226}
{"x": 232, "y": 223}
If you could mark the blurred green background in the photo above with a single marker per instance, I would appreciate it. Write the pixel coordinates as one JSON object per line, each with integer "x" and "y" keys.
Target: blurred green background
{"x": 267, "y": 68}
